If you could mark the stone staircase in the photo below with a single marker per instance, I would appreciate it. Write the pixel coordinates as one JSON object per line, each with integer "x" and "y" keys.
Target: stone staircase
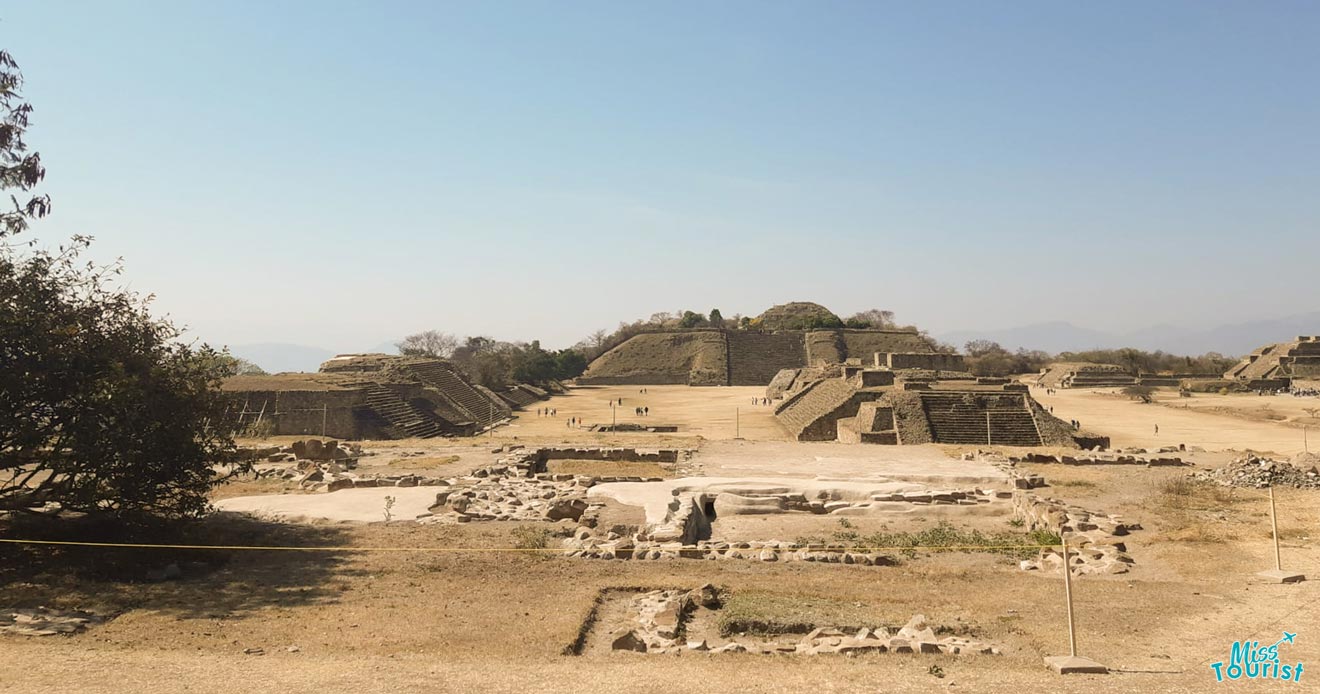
{"x": 517, "y": 397}
{"x": 476, "y": 405}
{"x": 402, "y": 416}
{"x": 961, "y": 418}
{"x": 755, "y": 358}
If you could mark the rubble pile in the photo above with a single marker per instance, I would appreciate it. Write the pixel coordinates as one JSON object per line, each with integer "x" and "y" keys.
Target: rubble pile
{"x": 44, "y": 621}
{"x": 1255, "y": 472}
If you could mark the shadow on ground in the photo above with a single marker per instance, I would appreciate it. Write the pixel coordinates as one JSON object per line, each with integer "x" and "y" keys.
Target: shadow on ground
{"x": 187, "y": 583}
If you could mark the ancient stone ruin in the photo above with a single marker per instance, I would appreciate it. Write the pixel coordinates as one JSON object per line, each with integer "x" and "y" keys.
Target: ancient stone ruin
{"x": 879, "y": 405}
{"x": 1277, "y": 365}
{"x": 1085, "y": 375}
{"x": 752, "y": 357}
{"x": 375, "y": 396}
{"x": 676, "y": 621}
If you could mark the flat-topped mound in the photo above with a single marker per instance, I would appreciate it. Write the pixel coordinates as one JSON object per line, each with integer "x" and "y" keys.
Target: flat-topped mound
{"x": 287, "y": 382}
{"x": 750, "y": 357}
{"x": 386, "y": 396}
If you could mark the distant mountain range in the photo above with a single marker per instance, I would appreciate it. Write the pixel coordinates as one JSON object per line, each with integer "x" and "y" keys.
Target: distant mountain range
{"x": 1233, "y": 339}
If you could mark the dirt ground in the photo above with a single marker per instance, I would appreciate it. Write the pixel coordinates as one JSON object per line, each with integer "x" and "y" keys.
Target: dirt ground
{"x": 1193, "y": 421}
{"x": 724, "y": 412}
{"x": 400, "y": 607}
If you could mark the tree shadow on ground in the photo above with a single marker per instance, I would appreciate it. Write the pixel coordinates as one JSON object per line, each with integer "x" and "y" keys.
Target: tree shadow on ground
{"x": 186, "y": 583}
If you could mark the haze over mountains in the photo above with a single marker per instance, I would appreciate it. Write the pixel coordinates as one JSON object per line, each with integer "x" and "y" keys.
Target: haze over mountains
{"x": 1230, "y": 339}
{"x": 1053, "y": 336}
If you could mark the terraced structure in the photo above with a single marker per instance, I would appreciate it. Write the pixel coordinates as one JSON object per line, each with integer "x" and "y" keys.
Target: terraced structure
{"x": 374, "y": 396}
{"x": 856, "y": 405}
{"x": 1276, "y": 365}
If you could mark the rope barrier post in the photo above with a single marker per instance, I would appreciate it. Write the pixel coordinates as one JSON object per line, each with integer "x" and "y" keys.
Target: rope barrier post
{"x": 1072, "y": 664}
{"x": 737, "y": 423}
{"x": 1277, "y": 574}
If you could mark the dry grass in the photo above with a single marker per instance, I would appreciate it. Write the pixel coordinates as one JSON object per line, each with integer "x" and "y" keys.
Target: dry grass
{"x": 607, "y": 468}
{"x": 766, "y": 613}
{"x": 425, "y": 462}
{"x": 1198, "y": 511}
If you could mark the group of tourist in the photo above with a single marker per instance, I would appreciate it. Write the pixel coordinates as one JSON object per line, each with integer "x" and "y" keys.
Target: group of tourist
{"x": 641, "y": 411}
{"x": 1293, "y": 391}
{"x": 546, "y": 412}
{"x": 761, "y": 401}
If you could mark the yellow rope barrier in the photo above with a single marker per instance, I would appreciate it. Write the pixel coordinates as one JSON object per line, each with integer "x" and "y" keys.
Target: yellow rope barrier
{"x": 138, "y": 545}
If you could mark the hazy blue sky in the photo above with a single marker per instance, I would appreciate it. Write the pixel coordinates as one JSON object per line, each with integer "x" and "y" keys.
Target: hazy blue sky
{"x": 339, "y": 174}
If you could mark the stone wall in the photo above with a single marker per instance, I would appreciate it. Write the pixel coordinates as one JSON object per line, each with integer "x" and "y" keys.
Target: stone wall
{"x": 755, "y": 358}
{"x": 825, "y": 347}
{"x": 697, "y": 357}
{"x": 333, "y": 413}
{"x": 812, "y": 415}
{"x": 931, "y": 361}
{"x": 737, "y": 357}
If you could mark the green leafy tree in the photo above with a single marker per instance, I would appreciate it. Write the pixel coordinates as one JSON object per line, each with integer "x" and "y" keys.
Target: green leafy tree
{"x": 102, "y": 408}
{"x": 691, "y": 319}
{"x": 716, "y": 318}
{"x": 20, "y": 171}
{"x": 569, "y": 363}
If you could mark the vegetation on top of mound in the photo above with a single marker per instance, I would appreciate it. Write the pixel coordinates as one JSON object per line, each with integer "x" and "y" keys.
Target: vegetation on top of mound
{"x": 819, "y": 317}
{"x": 797, "y": 315}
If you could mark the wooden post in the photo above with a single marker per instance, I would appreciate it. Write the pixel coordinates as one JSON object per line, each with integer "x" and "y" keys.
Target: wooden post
{"x": 1067, "y": 595}
{"x": 1072, "y": 663}
{"x": 1278, "y": 575}
{"x": 1274, "y": 530}
{"x": 737, "y": 422}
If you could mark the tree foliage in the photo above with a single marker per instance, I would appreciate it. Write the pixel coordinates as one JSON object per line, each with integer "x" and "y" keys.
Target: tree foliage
{"x": 428, "y": 343}
{"x": 691, "y": 319}
{"x": 20, "y": 170}
{"x": 497, "y": 364}
{"x": 1139, "y": 392}
{"x": 873, "y": 319}
{"x": 988, "y": 358}
{"x": 102, "y": 409}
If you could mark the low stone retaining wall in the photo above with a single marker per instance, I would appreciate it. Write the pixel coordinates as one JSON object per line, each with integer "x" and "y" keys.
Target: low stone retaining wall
{"x": 1099, "y": 459}
{"x": 612, "y": 546}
